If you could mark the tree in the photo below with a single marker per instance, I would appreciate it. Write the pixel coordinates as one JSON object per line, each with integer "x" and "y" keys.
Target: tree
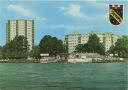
{"x": 121, "y": 47}
{"x": 65, "y": 47}
{"x": 35, "y": 52}
{"x": 17, "y": 48}
{"x": 92, "y": 46}
{"x": 79, "y": 48}
{"x": 51, "y": 45}
{"x": 0, "y": 51}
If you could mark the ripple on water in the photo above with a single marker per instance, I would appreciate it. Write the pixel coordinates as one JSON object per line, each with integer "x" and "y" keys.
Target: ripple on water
{"x": 96, "y": 76}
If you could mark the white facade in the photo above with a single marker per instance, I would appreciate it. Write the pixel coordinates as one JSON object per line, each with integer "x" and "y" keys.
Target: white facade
{"x": 108, "y": 39}
{"x": 21, "y": 28}
{"x": 84, "y": 38}
{"x": 73, "y": 41}
{"x": 12, "y": 30}
{"x": 115, "y": 37}
{"x": 101, "y": 37}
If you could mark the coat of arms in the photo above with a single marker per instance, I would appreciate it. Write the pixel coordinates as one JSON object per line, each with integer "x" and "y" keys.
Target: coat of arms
{"x": 116, "y": 14}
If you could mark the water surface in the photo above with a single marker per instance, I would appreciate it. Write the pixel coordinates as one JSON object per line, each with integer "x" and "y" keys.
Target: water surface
{"x": 54, "y": 76}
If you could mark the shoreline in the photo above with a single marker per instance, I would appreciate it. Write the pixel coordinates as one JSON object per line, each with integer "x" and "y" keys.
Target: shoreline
{"x": 34, "y": 61}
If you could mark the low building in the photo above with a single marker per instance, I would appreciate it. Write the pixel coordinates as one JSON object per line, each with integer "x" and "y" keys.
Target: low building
{"x": 83, "y": 57}
{"x": 45, "y": 58}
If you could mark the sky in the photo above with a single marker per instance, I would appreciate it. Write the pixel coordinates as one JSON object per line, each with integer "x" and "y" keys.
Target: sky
{"x": 62, "y": 17}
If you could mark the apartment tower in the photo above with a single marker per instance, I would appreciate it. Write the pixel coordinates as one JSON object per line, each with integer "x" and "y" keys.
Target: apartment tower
{"x": 20, "y": 28}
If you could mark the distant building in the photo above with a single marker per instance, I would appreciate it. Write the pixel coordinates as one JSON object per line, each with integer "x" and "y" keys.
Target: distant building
{"x": 72, "y": 40}
{"x": 84, "y": 38}
{"x": 20, "y": 28}
{"x": 108, "y": 40}
{"x": 100, "y": 35}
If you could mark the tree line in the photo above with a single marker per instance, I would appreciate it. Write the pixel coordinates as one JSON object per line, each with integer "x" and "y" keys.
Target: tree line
{"x": 120, "y": 49}
{"x": 18, "y": 48}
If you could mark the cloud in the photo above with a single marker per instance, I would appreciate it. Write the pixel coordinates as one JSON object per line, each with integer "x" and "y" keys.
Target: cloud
{"x": 25, "y": 12}
{"x": 21, "y": 10}
{"x": 74, "y": 10}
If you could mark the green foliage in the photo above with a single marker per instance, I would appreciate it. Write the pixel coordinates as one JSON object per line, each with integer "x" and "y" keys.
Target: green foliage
{"x": 35, "y": 52}
{"x": 51, "y": 45}
{"x": 92, "y": 46}
{"x": 17, "y": 48}
{"x": 121, "y": 47}
{"x": 0, "y": 51}
{"x": 79, "y": 48}
{"x": 65, "y": 48}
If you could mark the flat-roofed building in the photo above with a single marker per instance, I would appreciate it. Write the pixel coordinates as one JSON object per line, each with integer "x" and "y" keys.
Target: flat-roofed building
{"x": 20, "y": 27}
{"x": 84, "y": 38}
{"x": 72, "y": 40}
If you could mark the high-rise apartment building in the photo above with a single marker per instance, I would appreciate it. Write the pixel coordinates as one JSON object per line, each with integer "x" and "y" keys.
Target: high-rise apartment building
{"x": 72, "y": 40}
{"x": 84, "y": 38}
{"x": 20, "y": 28}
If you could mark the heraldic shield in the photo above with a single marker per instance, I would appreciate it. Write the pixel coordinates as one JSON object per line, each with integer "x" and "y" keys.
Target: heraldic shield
{"x": 116, "y": 14}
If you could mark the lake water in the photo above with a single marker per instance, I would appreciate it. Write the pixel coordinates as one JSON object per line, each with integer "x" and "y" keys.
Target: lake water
{"x": 95, "y": 76}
